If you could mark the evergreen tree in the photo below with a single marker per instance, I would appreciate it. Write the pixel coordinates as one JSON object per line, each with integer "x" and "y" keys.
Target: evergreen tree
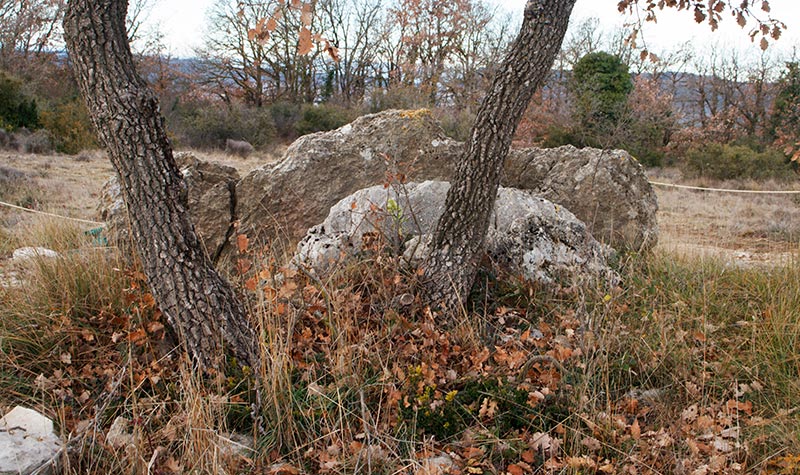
{"x": 16, "y": 108}
{"x": 785, "y": 121}
{"x": 600, "y": 86}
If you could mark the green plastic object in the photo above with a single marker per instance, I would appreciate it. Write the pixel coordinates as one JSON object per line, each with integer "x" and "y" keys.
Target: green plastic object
{"x": 97, "y": 234}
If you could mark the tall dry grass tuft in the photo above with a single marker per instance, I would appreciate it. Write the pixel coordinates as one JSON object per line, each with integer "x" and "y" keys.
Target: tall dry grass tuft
{"x": 57, "y": 310}
{"x": 328, "y": 352}
{"x": 206, "y": 445}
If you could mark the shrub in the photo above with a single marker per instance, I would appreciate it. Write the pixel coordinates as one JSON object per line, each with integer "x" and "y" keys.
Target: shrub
{"x": 729, "y": 162}
{"x": 456, "y": 124}
{"x": 10, "y": 176}
{"x": 398, "y": 97}
{"x": 70, "y": 127}
{"x": 321, "y": 118}
{"x": 643, "y": 143}
{"x": 650, "y": 122}
{"x": 285, "y": 116}
{"x": 16, "y": 108}
{"x": 19, "y": 188}
{"x": 210, "y": 126}
{"x": 556, "y": 136}
{"x": 40, "y": 141}
{"x": 785, "y": 120}
{"x": 8, "y": 140}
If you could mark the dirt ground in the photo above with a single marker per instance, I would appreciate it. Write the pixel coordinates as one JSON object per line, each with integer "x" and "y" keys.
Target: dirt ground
{"x": 742, "y": 229}
{"x": 72, "y": 184}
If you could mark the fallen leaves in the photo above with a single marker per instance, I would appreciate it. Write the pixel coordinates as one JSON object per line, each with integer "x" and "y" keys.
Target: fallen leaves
{"x": 636, "y": 431}
{"x": 501, "y": 403}
{"x": 488, "y": 409}
{"x": 738, "y": 406}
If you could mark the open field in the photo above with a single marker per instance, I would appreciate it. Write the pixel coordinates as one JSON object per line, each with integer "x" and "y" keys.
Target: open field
{"x": 71, "y": 185}
{"x": 690, "y": 367}
{"x": 743, "y": 229}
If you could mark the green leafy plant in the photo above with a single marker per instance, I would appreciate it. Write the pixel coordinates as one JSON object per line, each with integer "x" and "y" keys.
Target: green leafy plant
{"x": 321, "y": 118}
{"x": 729, "y": 162}
{"x": 17, "y": 109}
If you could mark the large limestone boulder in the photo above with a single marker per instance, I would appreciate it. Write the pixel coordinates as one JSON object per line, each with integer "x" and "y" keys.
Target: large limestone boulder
{"x": 212, "y": 202}
{"x": 27, "y": 443}
{"x": 608, "y": 190}
{"x": 528, "y": 235}
{"x": 319, "y": 169}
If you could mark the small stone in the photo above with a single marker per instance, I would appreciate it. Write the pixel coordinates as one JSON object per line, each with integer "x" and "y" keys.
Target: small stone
{"x": 118, "y": 435}
{"x": 27, "y": 443}
{"x": 236, "y": 444}
{"x": 438, "y": 465}
{"x": 27, "y": 253}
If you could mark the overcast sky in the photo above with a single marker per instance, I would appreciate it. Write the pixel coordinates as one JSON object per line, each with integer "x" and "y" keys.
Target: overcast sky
{"x": 182, "y": 22}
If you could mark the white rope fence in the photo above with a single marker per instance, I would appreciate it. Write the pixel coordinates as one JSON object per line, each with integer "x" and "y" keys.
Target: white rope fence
{"x": 656, "y": 183}
{"x": 728, "y": 190}
{"x": 9, "y": 205}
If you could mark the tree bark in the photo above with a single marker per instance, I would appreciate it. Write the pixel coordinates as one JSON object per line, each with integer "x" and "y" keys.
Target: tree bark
{"x": 199, "y": 304}
{"x": 458, "y": 240}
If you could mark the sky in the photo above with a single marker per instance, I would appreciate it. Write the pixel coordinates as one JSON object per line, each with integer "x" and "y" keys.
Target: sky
{"x": 183, "y": 22}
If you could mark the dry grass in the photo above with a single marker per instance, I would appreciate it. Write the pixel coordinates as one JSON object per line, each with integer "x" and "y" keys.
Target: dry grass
{"x": 70, "y": 186}
{"x": 691, "y": 364}
{"x": 744, "y": 229}
{"x": 690, "y": 367}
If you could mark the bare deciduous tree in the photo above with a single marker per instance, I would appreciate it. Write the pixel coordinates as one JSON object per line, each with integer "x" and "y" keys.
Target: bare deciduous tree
{"x": 27, "y": 28}
{"x": 354, "y": 28}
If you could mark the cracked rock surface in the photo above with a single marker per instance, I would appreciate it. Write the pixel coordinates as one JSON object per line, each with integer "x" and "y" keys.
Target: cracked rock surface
{"x": 608, "y": 190}
{"x": 212, "y": 203}
{"x": 528, "y": 235}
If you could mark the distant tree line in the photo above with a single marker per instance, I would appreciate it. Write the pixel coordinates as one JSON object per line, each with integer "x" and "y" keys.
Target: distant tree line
{"x": 682, "y": 106}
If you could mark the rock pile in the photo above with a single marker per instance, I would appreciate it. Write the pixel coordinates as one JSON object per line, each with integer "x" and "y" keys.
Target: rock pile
{"x": 607, "y": 190}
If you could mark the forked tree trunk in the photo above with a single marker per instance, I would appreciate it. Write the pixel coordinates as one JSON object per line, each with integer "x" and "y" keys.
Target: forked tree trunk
{"x": 199, "y": 304}
{"x": 458, "y": 240}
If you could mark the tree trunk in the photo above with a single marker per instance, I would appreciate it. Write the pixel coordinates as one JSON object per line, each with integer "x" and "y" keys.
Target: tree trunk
{"x": 458, "y": 240}
{"x": 199, "y": 304}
